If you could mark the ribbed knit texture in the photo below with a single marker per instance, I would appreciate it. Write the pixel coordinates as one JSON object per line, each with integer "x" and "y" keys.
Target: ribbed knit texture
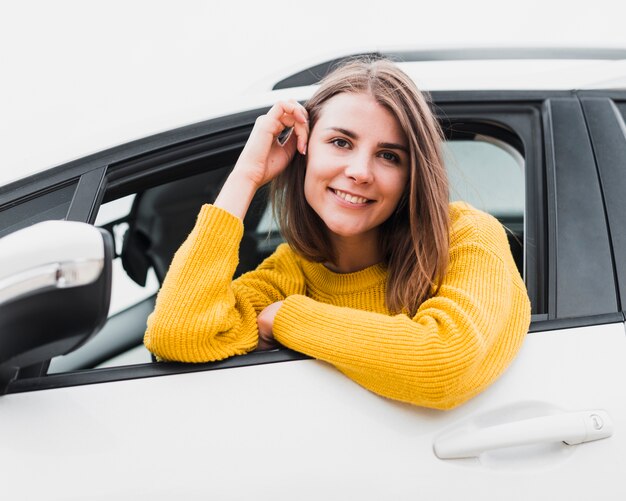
{"x": 458, "y": 343}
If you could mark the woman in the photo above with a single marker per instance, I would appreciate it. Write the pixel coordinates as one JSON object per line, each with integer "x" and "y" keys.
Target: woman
{"x": 412, "y": 297}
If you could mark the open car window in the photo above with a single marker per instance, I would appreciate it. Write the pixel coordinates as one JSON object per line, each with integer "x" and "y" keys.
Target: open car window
{"x": 114, "y": 216}
{"x": 149, "y": 226}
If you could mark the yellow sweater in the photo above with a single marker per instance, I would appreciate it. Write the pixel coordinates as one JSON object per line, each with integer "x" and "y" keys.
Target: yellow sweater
{"x": 458, "y": 343}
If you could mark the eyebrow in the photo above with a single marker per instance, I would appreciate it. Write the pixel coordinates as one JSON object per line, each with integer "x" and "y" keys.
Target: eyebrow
{"x": 353, "y": 135}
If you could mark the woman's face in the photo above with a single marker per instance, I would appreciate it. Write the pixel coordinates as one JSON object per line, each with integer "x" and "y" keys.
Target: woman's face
{"x": 357, "y": 165}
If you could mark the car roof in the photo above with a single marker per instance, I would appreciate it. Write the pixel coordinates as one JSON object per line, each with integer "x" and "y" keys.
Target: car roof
{"x": 492, "y": 68}
{"x": 432, "y": 70}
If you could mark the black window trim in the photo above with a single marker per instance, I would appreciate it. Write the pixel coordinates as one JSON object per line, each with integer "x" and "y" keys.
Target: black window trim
{"x": 608, "y": 136}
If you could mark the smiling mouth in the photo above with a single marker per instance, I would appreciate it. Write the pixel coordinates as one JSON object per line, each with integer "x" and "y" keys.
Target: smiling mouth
{"x": 353, "y": 199}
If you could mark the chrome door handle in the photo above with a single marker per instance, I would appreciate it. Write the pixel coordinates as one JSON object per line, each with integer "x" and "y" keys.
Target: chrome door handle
{"x": 572, "y": 428}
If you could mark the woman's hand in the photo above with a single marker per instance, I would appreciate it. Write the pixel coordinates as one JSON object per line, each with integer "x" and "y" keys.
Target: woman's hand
{"x": 265, "y": 322}
{"x": 263, "y": 157}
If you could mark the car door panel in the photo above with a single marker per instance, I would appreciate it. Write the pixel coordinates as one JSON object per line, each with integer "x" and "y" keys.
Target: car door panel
{"x": 273, "y": 429}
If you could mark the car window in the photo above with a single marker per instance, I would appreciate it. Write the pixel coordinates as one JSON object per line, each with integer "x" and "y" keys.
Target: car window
{"x": 488, "y": 174}
{"x": 148, "y": 227}
{"x": 125, "y": 292}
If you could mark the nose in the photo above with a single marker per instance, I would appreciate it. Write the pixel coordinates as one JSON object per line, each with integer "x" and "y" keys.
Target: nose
{"x": 360, "y": 169}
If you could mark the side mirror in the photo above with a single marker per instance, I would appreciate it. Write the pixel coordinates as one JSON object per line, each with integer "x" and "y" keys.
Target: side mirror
{"x": 55, "y": 289}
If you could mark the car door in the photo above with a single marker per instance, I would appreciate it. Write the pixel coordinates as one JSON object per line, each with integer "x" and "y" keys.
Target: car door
{"x": 280, "y": 425}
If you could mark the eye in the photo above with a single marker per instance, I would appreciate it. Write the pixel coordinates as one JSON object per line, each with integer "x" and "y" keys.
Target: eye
{"x": 390, "y": 157}
{"x": 340, "y": 143}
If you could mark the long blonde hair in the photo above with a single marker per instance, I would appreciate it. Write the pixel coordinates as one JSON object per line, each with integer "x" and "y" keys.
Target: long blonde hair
{"x": 415, "y": 240}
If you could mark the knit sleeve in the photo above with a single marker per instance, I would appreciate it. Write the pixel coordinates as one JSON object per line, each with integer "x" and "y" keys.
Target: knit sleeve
{"x": 459, "y": 341}
{"x": 201, "y": 314}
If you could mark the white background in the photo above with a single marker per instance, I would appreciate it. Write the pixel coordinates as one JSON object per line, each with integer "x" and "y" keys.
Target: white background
{"x": 73, "y": 71}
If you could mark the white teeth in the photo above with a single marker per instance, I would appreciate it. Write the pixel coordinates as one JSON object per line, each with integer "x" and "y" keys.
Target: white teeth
{"x": 350, "y": 198}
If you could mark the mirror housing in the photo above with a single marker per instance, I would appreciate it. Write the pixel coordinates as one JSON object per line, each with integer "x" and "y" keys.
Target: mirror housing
{"x": 55, "y": 290}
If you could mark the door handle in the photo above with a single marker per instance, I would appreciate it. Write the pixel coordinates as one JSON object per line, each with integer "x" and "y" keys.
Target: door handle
{"x": 572, "y": 428}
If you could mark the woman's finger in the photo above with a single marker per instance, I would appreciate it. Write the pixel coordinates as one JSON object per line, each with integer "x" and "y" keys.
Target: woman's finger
{"x": 301, "y": 123}
{"x": 280, "y": 123}
{"x": 302, "y": 133}
{"x": 288, "y": 113}
{"x": 300, "y": 112}
{"x": 286, "y": 118}
{"x": 301, "y": 127}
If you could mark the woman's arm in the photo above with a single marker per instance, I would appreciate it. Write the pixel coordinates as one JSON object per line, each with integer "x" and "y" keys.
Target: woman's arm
{"x": 459, "y": 341}
{"x": 198, "y": 315}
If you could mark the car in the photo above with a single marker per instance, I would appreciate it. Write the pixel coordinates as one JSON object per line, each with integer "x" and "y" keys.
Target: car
{"x": 86, "y": 412}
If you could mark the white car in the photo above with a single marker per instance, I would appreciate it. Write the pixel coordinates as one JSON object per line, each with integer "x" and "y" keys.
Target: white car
{"x": 86, "y": 414}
